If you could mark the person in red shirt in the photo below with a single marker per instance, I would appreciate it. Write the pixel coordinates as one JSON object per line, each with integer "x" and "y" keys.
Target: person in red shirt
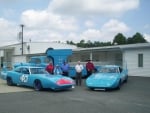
{"x": 89, "y": 68}
{"x": 50, "y": 68}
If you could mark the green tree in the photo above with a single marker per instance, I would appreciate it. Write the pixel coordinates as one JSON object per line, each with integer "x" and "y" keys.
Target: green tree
{"x": 81, "y": 43}
{"x": 70, "y": 42}
{"x": 138, "y": 38}
{"x": 130, "y": 40}
{"x": 119, "y": 39}
{"x": 89, "y": 44}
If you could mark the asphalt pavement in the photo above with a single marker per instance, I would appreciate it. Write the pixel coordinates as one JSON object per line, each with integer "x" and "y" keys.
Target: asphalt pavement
{"x": 133, "y": 97}
{"x": 4, "y": 88}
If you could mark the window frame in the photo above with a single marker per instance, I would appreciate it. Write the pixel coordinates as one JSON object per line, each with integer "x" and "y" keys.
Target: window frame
{"x": 140, "y": 60}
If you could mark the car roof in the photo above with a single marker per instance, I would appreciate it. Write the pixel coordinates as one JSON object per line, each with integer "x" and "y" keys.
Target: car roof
{"x": 29, "y": 67}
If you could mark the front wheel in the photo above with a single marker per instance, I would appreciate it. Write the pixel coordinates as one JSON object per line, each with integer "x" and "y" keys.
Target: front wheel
{"x": 91, "y": 88}
{"x": 126, "y": 79}
{"x": 119, "y": 85}
{"x": 9, "y": 81}
{"x": 38, "y": 85}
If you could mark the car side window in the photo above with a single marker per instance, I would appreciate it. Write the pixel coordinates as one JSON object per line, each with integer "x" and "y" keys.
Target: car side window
{"x": 25, "y": 71}
{"x": 18, "y": 70}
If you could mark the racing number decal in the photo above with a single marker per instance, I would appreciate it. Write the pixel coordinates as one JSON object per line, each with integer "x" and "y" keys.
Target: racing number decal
{"x": 24, "y": 78}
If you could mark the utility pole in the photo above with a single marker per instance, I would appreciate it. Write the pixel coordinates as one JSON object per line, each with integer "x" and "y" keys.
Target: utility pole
{"x": 22, "y": 38}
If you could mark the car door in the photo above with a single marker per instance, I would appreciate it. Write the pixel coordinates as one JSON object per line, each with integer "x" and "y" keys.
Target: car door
{"x": 15, "y": 75}
{"x": 24, "y": 76}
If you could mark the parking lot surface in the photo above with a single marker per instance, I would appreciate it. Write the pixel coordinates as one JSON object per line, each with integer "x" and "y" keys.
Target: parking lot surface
{"x": 133, "y": 97}
{"x": 4, "y": 88}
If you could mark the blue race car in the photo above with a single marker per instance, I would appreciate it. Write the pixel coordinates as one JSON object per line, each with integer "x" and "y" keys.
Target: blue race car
{"x": 107, "y": 77}
{"x": 38, "y": 78}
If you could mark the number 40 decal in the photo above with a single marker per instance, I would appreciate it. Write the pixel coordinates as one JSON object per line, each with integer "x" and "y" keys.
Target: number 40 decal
{"x": 24, "y": 78}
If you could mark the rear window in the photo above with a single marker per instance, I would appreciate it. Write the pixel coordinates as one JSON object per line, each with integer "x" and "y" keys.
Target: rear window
{"x": 38, "y": 71}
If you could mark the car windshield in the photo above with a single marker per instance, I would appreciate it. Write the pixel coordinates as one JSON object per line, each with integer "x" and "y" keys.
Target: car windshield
{"x": 38, "y": 71}
{"x": 108, "y": 70}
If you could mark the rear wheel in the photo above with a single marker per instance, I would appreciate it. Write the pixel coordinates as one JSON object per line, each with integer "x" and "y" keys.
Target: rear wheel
{"x": 38, "y": 85}
{"x": 9, "y": 81}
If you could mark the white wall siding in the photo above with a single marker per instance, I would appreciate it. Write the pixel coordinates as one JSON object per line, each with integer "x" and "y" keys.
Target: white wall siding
{"x": 1, "y": 53}
{"x": 33, "y": 48}
{"x": 18, "y": 59}
{"x": 131, "y": 57}
{"x": 18, "y": 49}
{"x": 40, "y": 47}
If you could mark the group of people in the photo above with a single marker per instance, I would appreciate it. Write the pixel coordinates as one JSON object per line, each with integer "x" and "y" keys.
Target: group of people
{"x": 79, "y": 68}
{"x": 64, "y": 70}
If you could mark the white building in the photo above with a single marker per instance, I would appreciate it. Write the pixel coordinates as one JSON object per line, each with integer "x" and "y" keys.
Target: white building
{"x": 13, "y": 53}
{"x": 134, "y": 56}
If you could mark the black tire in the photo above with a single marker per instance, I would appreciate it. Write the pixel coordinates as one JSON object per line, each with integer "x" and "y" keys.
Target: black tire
{"x": 9, "y": 81}
{"x": 119, "y": 85}
{"x": 38, "y": 85}
{"x": 91, "y": 89}
{"x": 126, "y": 80}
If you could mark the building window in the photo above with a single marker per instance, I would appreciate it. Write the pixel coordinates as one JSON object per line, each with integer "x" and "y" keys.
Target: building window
{"x": 140, "y": 60}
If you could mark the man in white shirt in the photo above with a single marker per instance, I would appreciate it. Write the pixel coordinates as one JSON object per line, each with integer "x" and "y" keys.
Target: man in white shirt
{"x": 79, "y": 68}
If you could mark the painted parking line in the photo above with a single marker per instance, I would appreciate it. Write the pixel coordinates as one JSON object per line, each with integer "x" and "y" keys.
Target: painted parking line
{"x": 4, "y": 88}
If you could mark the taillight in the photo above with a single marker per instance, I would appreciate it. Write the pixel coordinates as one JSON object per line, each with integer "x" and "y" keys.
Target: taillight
{"x": 63, "y": 82}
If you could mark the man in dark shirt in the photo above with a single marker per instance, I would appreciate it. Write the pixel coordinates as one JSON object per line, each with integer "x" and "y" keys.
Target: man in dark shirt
{"x": 89, "y": 68}
{"x": 50, "y": 68}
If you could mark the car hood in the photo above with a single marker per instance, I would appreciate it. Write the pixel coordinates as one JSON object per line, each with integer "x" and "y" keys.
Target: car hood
{"x": 102, "y": 78}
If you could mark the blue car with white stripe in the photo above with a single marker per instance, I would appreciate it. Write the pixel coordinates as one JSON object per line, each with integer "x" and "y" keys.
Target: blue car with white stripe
{"x": 107, "y": 77}
{"x": 38, "y": 78}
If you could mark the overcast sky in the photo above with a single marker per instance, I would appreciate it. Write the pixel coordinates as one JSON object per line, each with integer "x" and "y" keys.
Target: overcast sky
{"x": 73, "y": 20}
